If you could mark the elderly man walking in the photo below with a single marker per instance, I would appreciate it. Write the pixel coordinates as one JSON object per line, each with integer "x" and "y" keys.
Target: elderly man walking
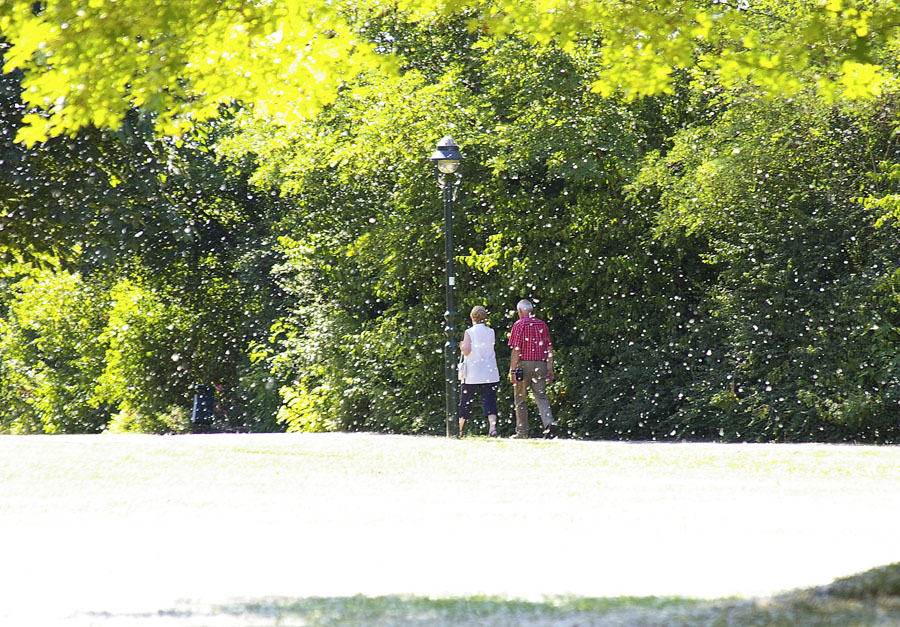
{"x": 531, "y": 364}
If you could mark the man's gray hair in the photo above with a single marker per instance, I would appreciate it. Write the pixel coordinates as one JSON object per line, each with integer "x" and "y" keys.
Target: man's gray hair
{"x": 525, "y": 305}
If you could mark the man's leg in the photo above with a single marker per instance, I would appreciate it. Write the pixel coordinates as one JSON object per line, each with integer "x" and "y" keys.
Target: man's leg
{"x": 538, "y": 383}
{"x": 519, "y": 390}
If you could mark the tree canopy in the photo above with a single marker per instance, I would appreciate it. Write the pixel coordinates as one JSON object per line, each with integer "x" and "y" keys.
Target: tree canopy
{"x": 89, "y": 63}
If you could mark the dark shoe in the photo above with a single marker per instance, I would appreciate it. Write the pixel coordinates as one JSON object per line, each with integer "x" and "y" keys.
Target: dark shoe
{"x": 493, "y": 434}
{"x": 550, "y": 432}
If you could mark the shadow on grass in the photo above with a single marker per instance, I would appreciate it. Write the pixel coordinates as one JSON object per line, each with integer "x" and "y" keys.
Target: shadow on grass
{"x": 404, "y": 610}
{"x": 870, "y": 598}
{"x": 479, "y": 610}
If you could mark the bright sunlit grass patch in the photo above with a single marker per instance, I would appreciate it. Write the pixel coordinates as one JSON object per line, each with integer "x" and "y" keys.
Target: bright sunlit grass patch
{"x": 337, "y": 528}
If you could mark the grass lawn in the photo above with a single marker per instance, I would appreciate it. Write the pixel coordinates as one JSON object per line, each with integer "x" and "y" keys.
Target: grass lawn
{"x": 321, "y": 529}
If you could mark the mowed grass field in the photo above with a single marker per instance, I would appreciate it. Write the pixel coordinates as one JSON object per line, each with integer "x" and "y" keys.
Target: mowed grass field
{"x": 315, "y": 529}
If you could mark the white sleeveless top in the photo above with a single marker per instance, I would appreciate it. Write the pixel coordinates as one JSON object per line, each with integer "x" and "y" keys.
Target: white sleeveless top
{"x": 481, "y": 363}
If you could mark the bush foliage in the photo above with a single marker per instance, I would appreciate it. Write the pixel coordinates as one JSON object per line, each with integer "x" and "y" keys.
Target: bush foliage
{"x": 718, "y": 262}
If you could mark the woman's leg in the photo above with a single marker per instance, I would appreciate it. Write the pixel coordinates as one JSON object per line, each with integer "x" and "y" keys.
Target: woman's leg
{"x": 466, "y": 397}
{"x": 489, "y": 405}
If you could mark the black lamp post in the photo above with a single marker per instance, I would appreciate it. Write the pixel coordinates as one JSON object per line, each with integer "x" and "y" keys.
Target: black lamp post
{"x": 446, "y": 164}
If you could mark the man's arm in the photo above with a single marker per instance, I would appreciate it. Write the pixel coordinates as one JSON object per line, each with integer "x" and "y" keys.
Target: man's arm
{"x": 513, "y": 364}
{"x": 550, "y": 362}
{"x": 550, "y": 374}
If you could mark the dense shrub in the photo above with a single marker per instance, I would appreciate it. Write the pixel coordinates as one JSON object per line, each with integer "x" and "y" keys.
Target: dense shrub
{"x": 53, "y": 352}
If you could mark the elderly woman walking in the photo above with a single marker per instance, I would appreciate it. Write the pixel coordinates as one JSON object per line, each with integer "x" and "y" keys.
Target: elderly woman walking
{"x": 481, "y": 372}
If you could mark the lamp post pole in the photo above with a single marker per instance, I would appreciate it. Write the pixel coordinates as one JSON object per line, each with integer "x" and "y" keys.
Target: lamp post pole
{"x": 446, "y": 160}
{"x": 450, "y": 345}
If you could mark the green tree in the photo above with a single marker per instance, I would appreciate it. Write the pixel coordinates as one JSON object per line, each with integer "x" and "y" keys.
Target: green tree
{"x": 542, "y": 214}
{"x": 52, "y": 354}
{"x": 700, "y": 201}
{"x": 121, "y": 204}
{"x": 705, "y": 292}
{"x": 796, "y": 340}
{"x": 91, "y": 64}
{"x": 90, "y": 198}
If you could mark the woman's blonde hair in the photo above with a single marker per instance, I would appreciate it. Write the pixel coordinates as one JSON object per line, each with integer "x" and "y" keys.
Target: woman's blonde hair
{"x": 479, "y": 313}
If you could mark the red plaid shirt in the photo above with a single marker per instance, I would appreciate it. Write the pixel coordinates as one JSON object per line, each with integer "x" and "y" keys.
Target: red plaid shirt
{"x": 532, "y": 337}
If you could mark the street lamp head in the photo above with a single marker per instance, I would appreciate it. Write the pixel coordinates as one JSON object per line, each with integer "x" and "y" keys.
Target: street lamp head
{"x": 447, "y": 156}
